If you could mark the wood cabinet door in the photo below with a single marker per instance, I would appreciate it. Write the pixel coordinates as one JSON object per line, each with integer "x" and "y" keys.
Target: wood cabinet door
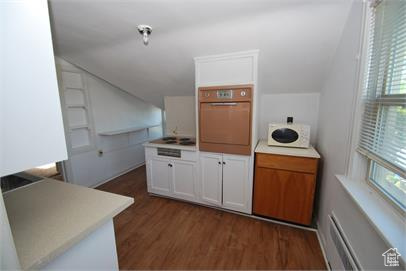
{"x": 284, "y": 195}
{"x": 159, "y": 176}
{"x": 184, "y": 179}
{"x": 211, "y": 177}
{"x": 235, "y": 181}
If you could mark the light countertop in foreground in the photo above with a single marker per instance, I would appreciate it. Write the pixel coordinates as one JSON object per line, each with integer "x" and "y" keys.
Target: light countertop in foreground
{"x": 49, "y": 217}
{"x": 263, "y": 147}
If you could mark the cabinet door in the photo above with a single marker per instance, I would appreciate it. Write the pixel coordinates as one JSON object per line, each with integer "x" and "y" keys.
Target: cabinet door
{"x": 236, "y": 182}
{"x": 159, "y": 176}
{"x": 184, "y": 179}
{"x": 285, "y": 195}
{"x": 211, "y": 177}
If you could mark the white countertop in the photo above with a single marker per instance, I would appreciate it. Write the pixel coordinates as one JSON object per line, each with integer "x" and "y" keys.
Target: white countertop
{"x": 48, "y": 217}
{"x": 170, "y": 146}
{"x": 263, "y": 147}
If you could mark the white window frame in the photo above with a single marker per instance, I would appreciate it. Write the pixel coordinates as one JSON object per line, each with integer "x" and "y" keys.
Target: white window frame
{"x": 359, "y": 166}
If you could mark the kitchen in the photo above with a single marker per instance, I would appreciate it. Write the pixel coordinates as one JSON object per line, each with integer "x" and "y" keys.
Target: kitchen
{"x": 253, "y": 140}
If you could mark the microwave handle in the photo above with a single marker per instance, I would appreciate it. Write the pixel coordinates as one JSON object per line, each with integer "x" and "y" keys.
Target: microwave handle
{"x": 222, "y": 104}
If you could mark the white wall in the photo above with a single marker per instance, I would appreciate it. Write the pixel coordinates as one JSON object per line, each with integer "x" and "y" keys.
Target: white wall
{"x": 115, "y": 109}
{"x": 180, "y": 115}
{"x": 29, "y": 100}
{"x": 336, "y": 107}
{"x": 112, "y": 109}
{"x": 303, "y": 107}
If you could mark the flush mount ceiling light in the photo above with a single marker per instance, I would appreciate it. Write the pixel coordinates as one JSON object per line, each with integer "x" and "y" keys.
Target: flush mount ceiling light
{"x": 145, "y": 31}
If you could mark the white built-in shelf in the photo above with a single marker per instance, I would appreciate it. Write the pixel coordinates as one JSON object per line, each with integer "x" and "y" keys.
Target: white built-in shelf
{"x": 79, "y": 126}
{"x": 127, "y": 130}
{"x": 75, "y": 105}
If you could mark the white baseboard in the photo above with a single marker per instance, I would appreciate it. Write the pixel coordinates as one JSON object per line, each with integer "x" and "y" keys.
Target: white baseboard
{"x": 322, "y": 242}
{"x": 118, "y": 175}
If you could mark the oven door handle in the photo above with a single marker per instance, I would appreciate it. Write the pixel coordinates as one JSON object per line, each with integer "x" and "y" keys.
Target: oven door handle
{"x": 223, "y": 104}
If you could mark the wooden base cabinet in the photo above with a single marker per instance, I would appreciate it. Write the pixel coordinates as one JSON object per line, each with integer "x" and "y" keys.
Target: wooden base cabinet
{"x": 284, "y": 187}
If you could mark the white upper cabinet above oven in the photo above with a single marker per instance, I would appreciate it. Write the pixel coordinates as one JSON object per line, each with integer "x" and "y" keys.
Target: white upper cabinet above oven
{"x": 227, "y": 69}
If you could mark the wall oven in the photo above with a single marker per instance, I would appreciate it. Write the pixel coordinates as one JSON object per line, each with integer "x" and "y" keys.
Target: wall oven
{"x": 225, "y": 119}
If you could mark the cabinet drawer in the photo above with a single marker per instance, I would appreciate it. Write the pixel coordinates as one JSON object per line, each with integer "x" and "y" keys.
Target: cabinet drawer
{"x": 185, "y": 155}
{"x": 292, "y": 163}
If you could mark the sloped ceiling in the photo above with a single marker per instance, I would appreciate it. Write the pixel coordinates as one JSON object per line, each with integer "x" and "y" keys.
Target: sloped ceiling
{"x": 296, "y": 38}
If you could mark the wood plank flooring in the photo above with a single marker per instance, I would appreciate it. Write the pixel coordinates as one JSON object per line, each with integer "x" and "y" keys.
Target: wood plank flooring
{"x": 159, "y": 233}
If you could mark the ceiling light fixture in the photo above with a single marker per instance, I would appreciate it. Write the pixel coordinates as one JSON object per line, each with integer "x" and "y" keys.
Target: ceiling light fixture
{"x": 145, "y": 31}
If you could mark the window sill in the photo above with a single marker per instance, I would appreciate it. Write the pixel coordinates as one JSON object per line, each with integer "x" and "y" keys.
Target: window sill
{"x": 382, "y": 216}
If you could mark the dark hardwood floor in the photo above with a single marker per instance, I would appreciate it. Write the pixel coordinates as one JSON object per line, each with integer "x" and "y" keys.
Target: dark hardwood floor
{"x": 159, "y": 233}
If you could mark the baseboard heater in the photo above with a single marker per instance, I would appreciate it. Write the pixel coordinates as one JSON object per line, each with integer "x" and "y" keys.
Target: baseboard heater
{"x": 346, "y": 255}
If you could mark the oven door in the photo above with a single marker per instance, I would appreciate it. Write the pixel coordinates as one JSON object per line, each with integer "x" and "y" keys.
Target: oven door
{"x": 225, "y": 123}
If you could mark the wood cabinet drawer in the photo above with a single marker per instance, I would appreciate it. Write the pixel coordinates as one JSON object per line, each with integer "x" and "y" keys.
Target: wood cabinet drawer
{"x": 292, "y": 163}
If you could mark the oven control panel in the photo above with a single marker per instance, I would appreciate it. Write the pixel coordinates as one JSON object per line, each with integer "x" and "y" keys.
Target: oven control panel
{"x": 225, "y": 94}
{"x": 212, "y": 94}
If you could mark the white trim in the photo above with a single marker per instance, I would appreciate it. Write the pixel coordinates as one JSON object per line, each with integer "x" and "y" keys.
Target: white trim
{"x": 118, "y": 175}
{"x": 375, "y": 3}
{"x": 357, "y": 165}
{"x": 277, "y": 222}
{"x": 357, "y": 106}
{"x": 322, "y": 242}
{"x": 248, "y": 53}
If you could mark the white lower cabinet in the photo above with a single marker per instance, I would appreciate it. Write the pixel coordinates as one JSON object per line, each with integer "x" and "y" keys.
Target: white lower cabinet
{"x": 173, "y": 177}
{"x": 215, "y": 179}
{"x": 184, "y": 178}
{"x": 211, "y": 178}
{"x": 236, "y": 182}
{"x": 225, "y": 181}
{"x": 159, "y": 176}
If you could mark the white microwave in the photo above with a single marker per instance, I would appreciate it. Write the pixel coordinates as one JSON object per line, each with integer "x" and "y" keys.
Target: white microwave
{"x": 289, "y": 135}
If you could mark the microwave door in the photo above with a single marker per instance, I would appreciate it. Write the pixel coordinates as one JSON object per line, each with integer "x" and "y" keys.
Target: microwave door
{"x": 285, "y": 135}
{"x": 225, "y": 123}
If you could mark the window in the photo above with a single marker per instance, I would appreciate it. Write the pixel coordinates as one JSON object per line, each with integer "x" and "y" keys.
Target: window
{"x": 383, "y": 130}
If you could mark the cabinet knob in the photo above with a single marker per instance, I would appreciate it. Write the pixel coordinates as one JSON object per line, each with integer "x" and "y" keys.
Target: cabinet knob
{"x": 224, "y": 163}
{"x": 219, "y": 163}
{"x": 169, "y": 165}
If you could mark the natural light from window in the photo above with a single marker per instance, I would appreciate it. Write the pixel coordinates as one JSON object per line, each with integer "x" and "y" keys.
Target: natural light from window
{"x": 383, "y": 135}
